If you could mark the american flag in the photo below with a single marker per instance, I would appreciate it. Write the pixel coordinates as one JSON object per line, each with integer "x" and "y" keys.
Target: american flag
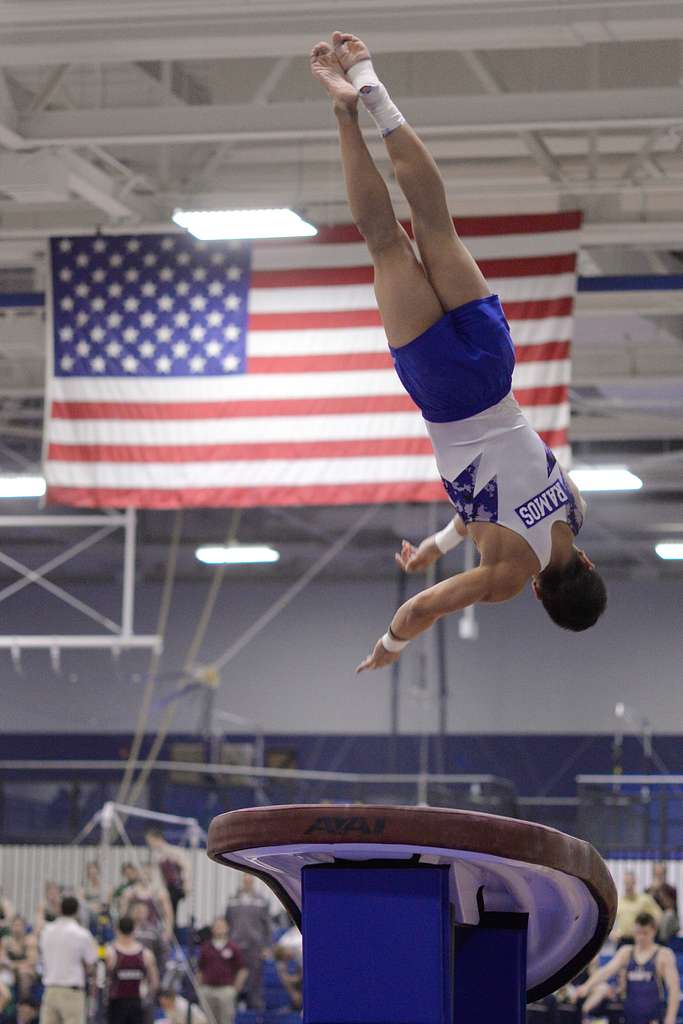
{"x": 223, "y": 374}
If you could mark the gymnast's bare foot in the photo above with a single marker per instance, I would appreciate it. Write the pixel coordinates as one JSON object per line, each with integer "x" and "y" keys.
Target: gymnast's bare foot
{"x": 349, "y": 49}
{"x": 327, "y": 69}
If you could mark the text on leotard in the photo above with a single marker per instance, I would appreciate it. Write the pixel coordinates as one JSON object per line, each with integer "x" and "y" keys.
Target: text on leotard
{"x": 542, "y": 505}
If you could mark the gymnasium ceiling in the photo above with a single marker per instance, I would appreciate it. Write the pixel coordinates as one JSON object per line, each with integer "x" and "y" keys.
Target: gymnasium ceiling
{"x": 113, "y": 112}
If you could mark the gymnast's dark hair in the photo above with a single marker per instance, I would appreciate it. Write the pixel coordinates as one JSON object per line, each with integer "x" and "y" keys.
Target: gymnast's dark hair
{"x": 646, "y": 920}
{"x": 574, "y": 597}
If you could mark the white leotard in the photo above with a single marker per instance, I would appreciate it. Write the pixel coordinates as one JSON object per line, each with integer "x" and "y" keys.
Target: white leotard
{"x": 496, "y": 469}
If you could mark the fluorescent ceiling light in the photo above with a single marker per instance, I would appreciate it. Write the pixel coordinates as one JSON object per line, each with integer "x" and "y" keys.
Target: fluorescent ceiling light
{"x": 211, "y": 225}
{"x": 606, "y": 478}
{"x": 22, "y": 486}
{"x": 235, "y": 554}
{"x": 670, "y": 549}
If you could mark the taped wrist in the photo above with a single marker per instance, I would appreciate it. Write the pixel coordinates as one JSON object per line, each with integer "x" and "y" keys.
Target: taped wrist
{"x": 448, "y": 538}
{"x": 375, "y": 97}
{"x": 392, "y": 644}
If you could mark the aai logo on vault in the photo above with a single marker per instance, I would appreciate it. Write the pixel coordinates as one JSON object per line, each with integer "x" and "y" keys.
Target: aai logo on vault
{"x": 334, "y": 826}
{"x": 542, "y": 505}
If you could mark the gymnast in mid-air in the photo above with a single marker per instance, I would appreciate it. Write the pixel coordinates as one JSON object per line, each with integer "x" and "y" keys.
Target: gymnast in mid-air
{"x": 452, "y": 350}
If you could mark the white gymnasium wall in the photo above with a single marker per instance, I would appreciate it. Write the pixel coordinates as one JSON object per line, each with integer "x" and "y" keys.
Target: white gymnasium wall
{"x": 522, "y": 674}
{"x": 25, "y": 869}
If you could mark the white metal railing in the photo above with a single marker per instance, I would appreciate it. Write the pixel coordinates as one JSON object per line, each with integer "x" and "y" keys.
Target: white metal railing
{"x": 24, "y": 870}
{"x": 629, "y": 780}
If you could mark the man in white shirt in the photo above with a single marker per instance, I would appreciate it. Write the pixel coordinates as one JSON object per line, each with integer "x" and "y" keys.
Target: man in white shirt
{"x": 67, "y": 950}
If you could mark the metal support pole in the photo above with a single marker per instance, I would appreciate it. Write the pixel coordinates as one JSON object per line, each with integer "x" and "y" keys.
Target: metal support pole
{"x": 468, "y": 628}
{"x": 128, "y": 599}
{"x": 395, "y": 693}
{"x": 442, "y": 678}
{"x": 107, "y": 824}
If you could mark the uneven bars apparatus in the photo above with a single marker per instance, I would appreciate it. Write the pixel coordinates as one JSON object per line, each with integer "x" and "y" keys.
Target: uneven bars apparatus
{"x": 109, "y": 820}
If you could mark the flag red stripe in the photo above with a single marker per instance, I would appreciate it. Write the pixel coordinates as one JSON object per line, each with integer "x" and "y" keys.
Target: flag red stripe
{"x": 310, "y": 277}
{"x": 380, "y": 360}
{"x": 246, "y": 497}
{"x": 555, "y": 438}
{"x": 230, "y": 410}
{"x": 468, "y": 227}
{"x": 529, "y": 266}
{"x": 275, "y": 407}
{"x": 238, "y": 452}
{"x": 532, "y": 309}
{"x": 548, "y": 395}
{"x": 251, "y": 452}
{"x": 544, "y": 351}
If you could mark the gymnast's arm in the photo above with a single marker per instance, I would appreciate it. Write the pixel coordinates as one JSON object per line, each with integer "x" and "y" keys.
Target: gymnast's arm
{"x": 417, "y": 559}
{"x": 618, "y": 962}
{"x": 485, "y": 584}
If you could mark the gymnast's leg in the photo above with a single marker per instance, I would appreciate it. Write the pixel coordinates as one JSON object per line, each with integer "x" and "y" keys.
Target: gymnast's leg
{"x": 408, "y": 303}
{"x": 453, "y": 273}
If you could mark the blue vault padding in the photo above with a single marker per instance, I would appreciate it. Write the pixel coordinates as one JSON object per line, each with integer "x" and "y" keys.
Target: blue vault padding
{"x": 489, "y": 984}
{"x": 376, "y": 943}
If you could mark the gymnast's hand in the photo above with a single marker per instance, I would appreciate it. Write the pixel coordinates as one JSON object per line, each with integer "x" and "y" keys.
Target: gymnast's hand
{"x": 417, "y": 559}
{"x": 379, "y": 658}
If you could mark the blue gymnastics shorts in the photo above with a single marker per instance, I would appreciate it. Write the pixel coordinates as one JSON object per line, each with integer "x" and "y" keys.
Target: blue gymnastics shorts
{"x": 460, "y": 365}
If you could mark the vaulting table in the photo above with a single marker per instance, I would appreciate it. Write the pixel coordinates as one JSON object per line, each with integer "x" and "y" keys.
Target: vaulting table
{"x": 420, "y": 915}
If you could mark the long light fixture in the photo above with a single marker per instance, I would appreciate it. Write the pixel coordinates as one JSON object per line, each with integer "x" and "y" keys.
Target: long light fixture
{"x": 22, "y": 486}
{"x": 236, "y": 554}
{"x": 606, "y": 478}
{"x": 670, "y": 550}
{"x": 212, "y": 225}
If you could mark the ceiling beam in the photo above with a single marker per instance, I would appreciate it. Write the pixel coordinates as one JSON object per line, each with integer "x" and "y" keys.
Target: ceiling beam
{"x": 625, "y": 426}
{"x": 48, "y": 89}
{"x": 270, "y": 83}
{"x": 644, "y": 155}
{"x": 511, "y": 112}
{"x": 7, "y": 103}
{"x": 262, "y": 94}
{"x": 645, "y": 303}
{"x": 655, "y": 234}
{"x": 207, "y": 29}
{"x": 573, "y": 148}
{"x": 532, "y": 140}
{"x": 85, "y": 179}
{"x": 97, "y": 188}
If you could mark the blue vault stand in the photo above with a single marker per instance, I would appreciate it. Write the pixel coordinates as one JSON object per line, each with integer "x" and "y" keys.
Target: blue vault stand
{"x": 380, "y": 947}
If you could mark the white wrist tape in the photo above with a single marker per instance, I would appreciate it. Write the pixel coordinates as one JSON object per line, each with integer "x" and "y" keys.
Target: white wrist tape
{"x": 448, "y": 538}
{"x": 375, "y": 97}
{"x": 393, "y": 645}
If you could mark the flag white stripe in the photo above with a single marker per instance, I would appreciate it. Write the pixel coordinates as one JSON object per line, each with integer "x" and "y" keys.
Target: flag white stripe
{"x": 266, "y": 429}
{"x": 537, "y": 332}
{"x": 317, "y": 341}
{"x": 266, "y": 473}
{"x": 321, "y": 298}
{"x": 250, "y": 430}
{"x": 548, "y": 373}
{"x": 355, "y": 254}
{"x": 266, "y": 386}
{"x": 338, "y": 341}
